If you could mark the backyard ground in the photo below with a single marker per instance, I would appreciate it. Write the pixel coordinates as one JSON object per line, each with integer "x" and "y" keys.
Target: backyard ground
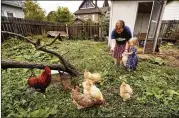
{"x": 155, "y": 83}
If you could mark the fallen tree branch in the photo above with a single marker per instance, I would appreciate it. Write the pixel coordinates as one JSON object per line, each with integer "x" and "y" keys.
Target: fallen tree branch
{"x": 70, "y": 68}
{"x": 17, "y": 64}
{"x": 27, "y": 39}
{"x": 65, "y": 53}
{"x": 57, "y": 37}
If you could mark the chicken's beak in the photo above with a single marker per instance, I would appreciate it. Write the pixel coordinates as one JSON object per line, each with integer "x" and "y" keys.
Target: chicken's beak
{"x": 103, "y": 101}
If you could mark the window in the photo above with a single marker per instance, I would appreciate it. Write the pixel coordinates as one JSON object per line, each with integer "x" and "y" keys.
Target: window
{"x": 9, "y": 14}
{"x": 85, "y": 16}
{"x": 93, "y": 17}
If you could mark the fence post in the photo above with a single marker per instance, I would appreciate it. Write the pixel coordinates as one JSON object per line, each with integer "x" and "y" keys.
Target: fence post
{"x": 100, "y": 32}
{"x": 66, "y": 29}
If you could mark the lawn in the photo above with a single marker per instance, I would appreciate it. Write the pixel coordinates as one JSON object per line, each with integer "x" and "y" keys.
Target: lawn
{"x": 155, "y": 85}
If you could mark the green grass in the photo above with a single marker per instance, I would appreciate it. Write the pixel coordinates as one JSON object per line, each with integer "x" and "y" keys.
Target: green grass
{"x": 156, "y": 87}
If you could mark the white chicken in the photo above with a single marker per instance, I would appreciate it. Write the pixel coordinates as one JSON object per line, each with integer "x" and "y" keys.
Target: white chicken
{"x": 86, "y": 87}
{"x": 124, "y": 58}
{"x": 125, "y": 91}
{"x": 92, "y": 90}
{"x": 94, "y": 77}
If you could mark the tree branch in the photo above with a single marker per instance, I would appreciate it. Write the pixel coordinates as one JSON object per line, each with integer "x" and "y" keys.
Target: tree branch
{"x": 17, "y": 64}
{"x": 27, "y": 39}
{"x": 57, "y": 37}
{"x": 70, "y": 68}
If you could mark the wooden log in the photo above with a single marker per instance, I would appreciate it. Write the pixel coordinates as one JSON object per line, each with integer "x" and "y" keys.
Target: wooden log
{"x": 18, "y": 64}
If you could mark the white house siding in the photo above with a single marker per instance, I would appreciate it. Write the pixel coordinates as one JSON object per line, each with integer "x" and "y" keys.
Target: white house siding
{"x": 171, "y": 11}
{"x": 122, "y": 10}
{"x": 142, "y": 22}
{"x": 17, "y": 12}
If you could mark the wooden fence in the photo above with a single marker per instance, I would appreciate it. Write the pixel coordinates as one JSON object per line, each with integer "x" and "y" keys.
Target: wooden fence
{"x": 28, "y": 27}
{"x": 85, "y": 31}
{"x": 169, "y": 30}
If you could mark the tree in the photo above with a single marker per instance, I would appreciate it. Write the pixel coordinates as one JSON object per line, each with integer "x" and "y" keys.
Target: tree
{"x": 52, "y": 16}
{"x": 64, "y": 15}
{"x": 33, "y": 11}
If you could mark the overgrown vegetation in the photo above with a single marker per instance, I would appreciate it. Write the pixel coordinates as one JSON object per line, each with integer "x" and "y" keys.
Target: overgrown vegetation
{"x": 156, "y": 87}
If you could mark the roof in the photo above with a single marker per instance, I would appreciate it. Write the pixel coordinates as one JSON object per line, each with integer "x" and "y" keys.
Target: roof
{"x": 84, "y": 3}
{"x": 18, "y": 4}
{"x": 88, "y": 11}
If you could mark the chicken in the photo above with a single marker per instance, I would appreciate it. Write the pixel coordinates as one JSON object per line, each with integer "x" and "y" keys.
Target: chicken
{"x": 92, "y": 90}
{"x": 65, "y": 79}
{"x": 42, "y": 82}
{"x": 124, "y": 58}
{"x": 86, "y": 87}
{"x": 95, "y": 77}
{"x": 81, "y": 100}
{"x": 125, "y": 91}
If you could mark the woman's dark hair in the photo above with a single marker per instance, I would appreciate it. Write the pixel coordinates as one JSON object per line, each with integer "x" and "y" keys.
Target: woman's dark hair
{"x": 119, "y": 22}
{"x": 122, "y": 23}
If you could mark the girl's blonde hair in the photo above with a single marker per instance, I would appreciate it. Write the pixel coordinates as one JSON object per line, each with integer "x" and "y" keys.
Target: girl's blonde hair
{"x": 133, "y": 40}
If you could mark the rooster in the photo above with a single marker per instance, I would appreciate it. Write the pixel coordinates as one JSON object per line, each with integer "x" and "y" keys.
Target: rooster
{"x": 125, "y": 91}
{"x": 42, "y": 82}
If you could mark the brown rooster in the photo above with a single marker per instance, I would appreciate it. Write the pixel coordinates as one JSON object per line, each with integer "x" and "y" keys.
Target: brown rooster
{"x": 42, "y": 82}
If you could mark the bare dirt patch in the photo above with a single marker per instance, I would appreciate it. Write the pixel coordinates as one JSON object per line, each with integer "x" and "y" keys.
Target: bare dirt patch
{"x": 170, "y": 54}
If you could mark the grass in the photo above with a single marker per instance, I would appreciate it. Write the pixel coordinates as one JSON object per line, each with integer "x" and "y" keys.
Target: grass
{"x": 156, "y": 87}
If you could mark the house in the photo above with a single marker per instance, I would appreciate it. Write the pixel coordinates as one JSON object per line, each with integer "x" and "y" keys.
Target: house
{"x": 90, "y": 10}
{"x": 171, "y": 11}
{"x": 79, "y": 21}
{"x": 12, "y": 8}
{"x": 143, "y": 18}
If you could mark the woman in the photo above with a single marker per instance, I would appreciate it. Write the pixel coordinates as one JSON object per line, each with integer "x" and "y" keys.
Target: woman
{"x": 120, "y": 36}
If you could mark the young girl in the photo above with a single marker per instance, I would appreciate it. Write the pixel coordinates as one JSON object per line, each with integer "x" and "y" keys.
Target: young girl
{"x": 130, "y": 59}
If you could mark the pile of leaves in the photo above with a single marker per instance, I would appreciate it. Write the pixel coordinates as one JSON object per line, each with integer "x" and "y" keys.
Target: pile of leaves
{"x": 156, "y": 87}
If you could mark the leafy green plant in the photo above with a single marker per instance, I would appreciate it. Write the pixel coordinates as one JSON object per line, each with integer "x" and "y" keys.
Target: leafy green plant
{"x": 157, "y": 60}
{"x": 155, "y": 87}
